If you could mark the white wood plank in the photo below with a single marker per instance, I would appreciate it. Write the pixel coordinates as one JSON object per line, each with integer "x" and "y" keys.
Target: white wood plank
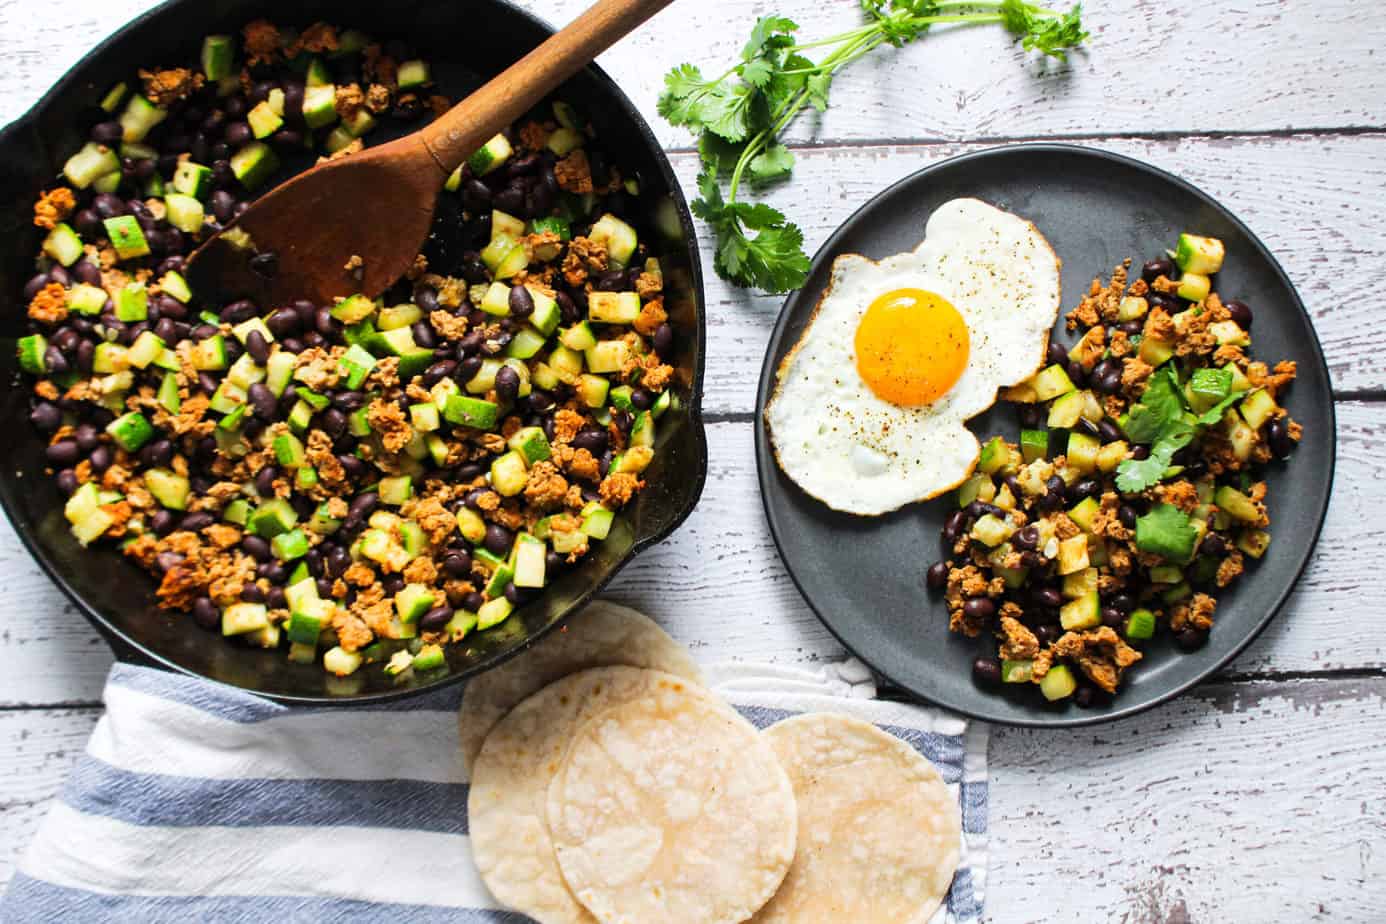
{"x": 718, "y": 586}
{"x": 37, "y": 749}
{"x": 1257, "y": 65}
{"x": 1303, "y": 196}
{"x": 1246, "y": 802}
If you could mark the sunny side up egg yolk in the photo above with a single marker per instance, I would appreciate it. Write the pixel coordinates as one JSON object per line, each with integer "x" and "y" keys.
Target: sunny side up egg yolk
{"x": 911, "y": 347}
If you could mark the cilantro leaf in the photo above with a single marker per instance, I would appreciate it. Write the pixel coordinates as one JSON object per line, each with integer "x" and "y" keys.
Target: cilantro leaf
{"x": 818, "y": 85}
{"x": 1214, "y": 413}
{"x": 684, "y": 89}
{"x": 769, "y": 34}
{"x": 1047, "y": 34}
{"x": 774, "y": 163}
{"x": 1167, "y": 532}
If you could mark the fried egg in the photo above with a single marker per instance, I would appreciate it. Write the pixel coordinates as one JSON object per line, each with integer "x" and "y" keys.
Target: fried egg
{"x": 870, "y": 405}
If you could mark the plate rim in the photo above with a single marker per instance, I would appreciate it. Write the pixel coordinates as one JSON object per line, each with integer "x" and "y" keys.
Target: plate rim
{"x": 766, "y": 466}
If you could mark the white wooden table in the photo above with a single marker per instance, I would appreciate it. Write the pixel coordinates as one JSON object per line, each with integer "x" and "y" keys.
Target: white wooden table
{"x": 1256, "y": 797}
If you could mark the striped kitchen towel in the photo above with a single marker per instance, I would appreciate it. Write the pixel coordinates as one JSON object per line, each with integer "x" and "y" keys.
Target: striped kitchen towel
{"x": 199, "y": 802}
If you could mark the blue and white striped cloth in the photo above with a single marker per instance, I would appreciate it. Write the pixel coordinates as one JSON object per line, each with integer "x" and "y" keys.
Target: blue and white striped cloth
{"x": 198, "y": 802}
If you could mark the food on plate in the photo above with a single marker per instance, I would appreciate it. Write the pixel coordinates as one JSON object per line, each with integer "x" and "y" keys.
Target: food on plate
{"x": 1134, "y": 495}
{"x": 879, "y": 831}
{"x": 367, "y": 480}
{"x": 671, "y": 808}
{"x": 507, "y": 804}
{"x": 603, "y": 634}
{"x": 869, "y": 408}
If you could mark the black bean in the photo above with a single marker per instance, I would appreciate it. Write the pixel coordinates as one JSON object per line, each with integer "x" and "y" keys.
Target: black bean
{"x": 238, "y": 311}
{"x": 313, "y": 339}
{"x": 1111, "y": 616}
{"x": 1140, "y": 453}
{"x": 1077, "y": 373}
{"x": 553, "y": 562}
{"x": 510, "y": 200}
{"x": 55, "y": 361}
{"x": 1162, "y": 300}
{"x": 393, "y": 584}
{"x": 333, "y": 422}
{"x": 438, "y": 371}
{"x": 604, "y": 463}
{"x": 87, "y": 271}
{"x": 1123, "y": 603}
{"x": 436, "y": 618}
{"x": 1278, "y": 437}
{"x": 263, "y": 403}
{"x": 1130, "y": 328}
{"x": 1086, "y": 426}
{"x": 1026, "y": 538}
{"x": 258, "y": 347}
{"x": 100, "y": 458}
{"x": 593, "y": 440}
{"x": 1048, "y": 597}
{"x": 46, "y": 417}
{"x": 507, "y": 383}
{"x": 1153, "y": 269}
{"x": 264, "y": 480}
{"x": 1108, "y": 432}
{"x": 363, "y": 505}
{"x": 458, "y": 564}
{"x": 195, "y": 521}
{"x": 986, "y": 671}
{"x": 1047, "y": 634}
{"x": 238, "y": 134}
{"x": 251, "y": 593}
{"x": 31, "y": 288}
{"x": 567, "y": 308}
{"x": 67, "y": 481}
{"x": 273, "y": 571}
{"x": 256, "y": 547}
{"x": 1085, "y": 697}
{"x": 107, "y": 205}
{"x": 521, "y": 302}
{"x": 1239, "y": 311}
{"x": 953, "y": 527}
{"x": 519, "y": 595}
{"x": 1213, "y": 544}
{"x": 336, "y": 561}
{"x": 353, "y": 466}
{"x": 467, "y": 369}
{"x": 469, "y": 472}
{"x": 63, "y": 453}
{"x": 423, "y": 335}
{"x": 206, "y": 615}
{"x": 937, "y": 576}
{"x": 979, "y": 608}
{"x": 1190, "y": 639}
{"x": 498, "y": 539}
{"x": 1086, "y": 487}
{"x": 1127, "y": 515}
{"x": 476, "y": 196}
{"x": 664, "y": 341}
{"x": 1057, "y": 354}
{"x": 610, "y": 281}
{"x": 163, "y": 522}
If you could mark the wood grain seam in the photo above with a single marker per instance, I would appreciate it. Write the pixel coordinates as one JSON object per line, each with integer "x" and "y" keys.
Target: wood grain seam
{"x": 1341, "y": 131}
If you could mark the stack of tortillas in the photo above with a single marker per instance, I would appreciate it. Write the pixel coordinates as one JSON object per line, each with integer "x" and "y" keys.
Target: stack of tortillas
{"x": 609, "y": 785}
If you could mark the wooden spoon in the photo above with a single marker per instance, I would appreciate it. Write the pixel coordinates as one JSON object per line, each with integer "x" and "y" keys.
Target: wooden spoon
{"x": 378, "y": 204}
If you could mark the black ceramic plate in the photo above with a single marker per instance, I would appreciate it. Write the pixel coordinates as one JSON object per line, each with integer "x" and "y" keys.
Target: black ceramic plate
{"x": 864, "y": 577}
{"x": 114, "y": 594}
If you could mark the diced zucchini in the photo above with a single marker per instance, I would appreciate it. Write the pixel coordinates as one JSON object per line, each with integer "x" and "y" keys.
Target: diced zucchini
{"x": 531, "y": 444}
{"x": 563, "y": 141}
{"x": 1084, "y": 513}
{"x": 470, "y": 524}
{"x": 466, "y": 411}
{"x": 184, "y": 212}
{"x": 241, "y": 618}
{"x": 424, "y": 417}
{"x": 192, "y": 179}
{"x": 1017, "y": 671}
{"x": 613, "y": 307}
{"x": 527, "y": 342}
{"x": 1194, "y": 286}
{"x": 1153, "y": 351}
{"x": 402, "y": 315}
{"x": 642, "y": 431}
{"x": 253, "y": 164}
{"x": 86, "y": 299}
{"x": 176, "y": 286}
{"x": 490, "y": 155}
{"x": 1254, "y": 542}
{"x": 145, "y": 349}
{"x": 597, "y": 520}
{"x": 619, "y": 237}
{"x": 1066, "y": 410}
{"x": 168, "y": 397}
{"x": 218, "y": 56}
{"x": 530, "y": 556}
{"x": 1132, "y": 307}
{"x": 126, "y": 237}
{"x": 319, "y": 104}
{"x": 263, "y": 120}
{"x": 1073, "y": 554}
{"x": 1236, "y": 504}
{"x": 493, "y": 613}
{"x": 1257, "y": 408}
{"x": 114, "y": 97}
{"x": 1082, "y": 452}
{"x": 1058, "y": 683}
{"x": 358, "y": 123}
{"x": 31, "y": 354}
{"x": 63, "y": 245}
{"x": 508, "y": 474}
{"x": 396, "y": 490}
{"x": 1196, "y": 254}
{"x": 139, "y": 117}
{"x": 413, "y": 601}
{"x": 91, "y": 162}
{"x": 1140, "y": 625}
{"x": 131, "y": 430}
{"x": 1051, "y": 382}
{"x": 132, "y": 303}
{"x": 291, "y": 545}
{"x": 991, "y": 530}
{"x": 412, "y": 74}
{"x": 341, "y": 662}
{"x": 1081, "y": 613}
{"x": 506, "y": 225}
{"x": 356, "y": 363}
{"x": 273, "y": 517}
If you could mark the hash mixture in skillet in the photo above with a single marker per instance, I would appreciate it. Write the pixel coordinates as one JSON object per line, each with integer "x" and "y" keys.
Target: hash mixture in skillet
{"x": 364, "y": 480}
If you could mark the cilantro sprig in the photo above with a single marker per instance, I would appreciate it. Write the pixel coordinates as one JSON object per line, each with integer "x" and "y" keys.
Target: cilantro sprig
{"x": 1161, "y": 420}
{"x": 740, "y": 115}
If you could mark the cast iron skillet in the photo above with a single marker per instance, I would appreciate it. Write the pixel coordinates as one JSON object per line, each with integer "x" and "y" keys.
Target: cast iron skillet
{"x": 864, "y": 577}
{"x": 466, "y": 41}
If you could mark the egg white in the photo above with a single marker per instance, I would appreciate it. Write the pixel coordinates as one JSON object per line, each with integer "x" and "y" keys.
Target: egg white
{"x": 862, "y": 455}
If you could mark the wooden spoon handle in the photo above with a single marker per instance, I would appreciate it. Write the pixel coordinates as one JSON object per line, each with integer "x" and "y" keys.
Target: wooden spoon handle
{"x": 453, "y": 137}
